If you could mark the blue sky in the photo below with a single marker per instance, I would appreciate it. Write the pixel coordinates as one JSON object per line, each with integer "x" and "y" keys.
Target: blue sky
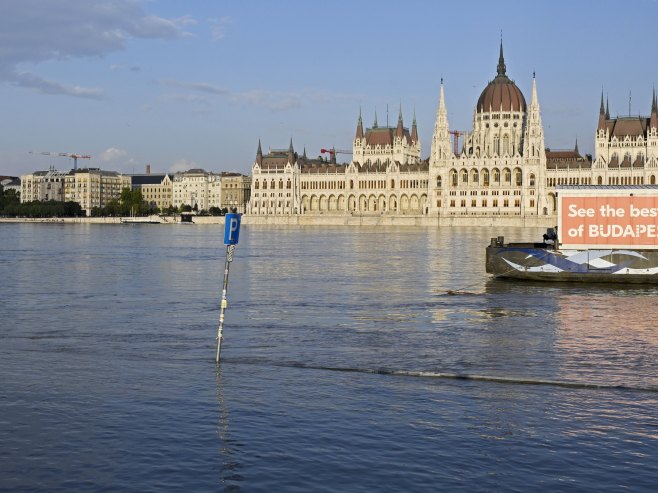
{"x": 197, "y": 83}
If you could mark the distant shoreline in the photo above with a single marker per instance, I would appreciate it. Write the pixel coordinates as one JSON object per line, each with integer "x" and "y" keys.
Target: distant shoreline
{"x": 323, "y": 220}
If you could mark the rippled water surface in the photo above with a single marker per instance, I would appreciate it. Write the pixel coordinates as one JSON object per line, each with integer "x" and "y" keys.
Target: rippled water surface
{"x": 354, "y": 360}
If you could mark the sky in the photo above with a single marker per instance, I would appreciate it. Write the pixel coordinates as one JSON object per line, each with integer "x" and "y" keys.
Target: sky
{"x": 196, "y": 84}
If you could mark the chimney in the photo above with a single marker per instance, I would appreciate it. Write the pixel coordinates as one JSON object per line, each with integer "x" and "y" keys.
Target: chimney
{"x": 148, "y": 169}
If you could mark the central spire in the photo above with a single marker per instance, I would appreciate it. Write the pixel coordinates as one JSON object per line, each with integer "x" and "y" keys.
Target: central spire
{"x": 501, "y": 59}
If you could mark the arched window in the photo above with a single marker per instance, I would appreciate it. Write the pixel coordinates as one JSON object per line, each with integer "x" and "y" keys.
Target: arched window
{"x": 453, "y": 177}
{"x": 438, "y": 181}
{"x": 288, "y": 184}
{"x": 496, "y": 176}
{"x": 464, "y": 176}
{"x": 281, "y": 183}
{"x": 518, "y": 177}
{"x": 506, "y": 144}
{"x": 532, "y": 180}
{"x": 264, "y": 184}
{"x": 507, "y": 174}
{"x": 272, "y": 185}
{"x": 257, "y": 186}
{"x": 485, "y": 177}
{"x": 599, "y": 180}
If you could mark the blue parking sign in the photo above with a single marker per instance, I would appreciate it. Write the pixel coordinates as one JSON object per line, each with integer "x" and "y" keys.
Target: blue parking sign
{"x": 232, "y": 229}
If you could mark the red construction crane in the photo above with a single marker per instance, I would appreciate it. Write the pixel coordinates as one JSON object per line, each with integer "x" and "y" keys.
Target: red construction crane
{"x": 455, "y": 140}
{"x": 66, "y": 154}
{"x": 335, "y": 151}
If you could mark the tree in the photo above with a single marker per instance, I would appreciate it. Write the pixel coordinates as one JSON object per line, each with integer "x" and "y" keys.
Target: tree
{"x": 132, "y": 201}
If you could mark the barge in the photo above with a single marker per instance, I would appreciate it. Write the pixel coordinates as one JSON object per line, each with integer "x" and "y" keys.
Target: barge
{"x": 604, "y": 234}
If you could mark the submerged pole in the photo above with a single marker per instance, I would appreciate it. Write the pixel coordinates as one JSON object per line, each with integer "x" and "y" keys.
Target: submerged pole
{"x": 231, "y": 235}
{"x": 224, "y": 302}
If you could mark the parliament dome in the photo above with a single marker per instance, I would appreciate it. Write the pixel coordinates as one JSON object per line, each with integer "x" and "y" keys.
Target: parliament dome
{"x": 501, "y": 94}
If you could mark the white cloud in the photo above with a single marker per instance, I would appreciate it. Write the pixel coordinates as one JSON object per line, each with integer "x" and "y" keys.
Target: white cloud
{"x": 218, "y": 27}
{"x": 197, "y": 86}
{"x": 272, "y": 100}
{"x": 182, "y": 165}
{"x": 112, "y": 154}
{"x": 33, "y": 31}
{"x": 45, "y": 86}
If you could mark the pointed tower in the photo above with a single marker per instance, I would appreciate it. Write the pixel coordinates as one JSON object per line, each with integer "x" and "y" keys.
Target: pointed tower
{"x": 374, "y": 125}
{"x": 501, "y": 61}
{"x": 414, "y": 130}
{"x": 359, "y": 127}
{"x": 533, "y": 141}
{"x": 399, "y": 130}
{"x": 575, "y": 149}
{"x": 652, "y": 131}
{"x": 653, "y": 121}
{"x": 602, "y": 115}
{"x": 440, "y": 152}
{"x": 291, "y": 153}
{"x": 359, "y": 143}
{"x": 259, "y": 155}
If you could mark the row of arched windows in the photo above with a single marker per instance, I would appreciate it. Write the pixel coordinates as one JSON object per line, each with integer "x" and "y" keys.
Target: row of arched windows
{"x": 258, "y": 184}
{"x": 486, "y": 178}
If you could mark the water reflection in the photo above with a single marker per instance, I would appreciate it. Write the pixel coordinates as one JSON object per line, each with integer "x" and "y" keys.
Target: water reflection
{"x": 230, "y": 476}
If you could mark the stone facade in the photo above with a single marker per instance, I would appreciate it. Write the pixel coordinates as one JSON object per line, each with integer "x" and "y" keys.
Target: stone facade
{"x": 502, "y": 169}
{"x": 43, "y": 185}
{"x": 236, "y": 191}
{"x": 156, "y": 189}
{"x": 93, "y": 187}
{"x": 197, "y": 188}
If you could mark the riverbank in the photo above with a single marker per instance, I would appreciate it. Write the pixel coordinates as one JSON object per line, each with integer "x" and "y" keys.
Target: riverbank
{"x": 321, "y": 220}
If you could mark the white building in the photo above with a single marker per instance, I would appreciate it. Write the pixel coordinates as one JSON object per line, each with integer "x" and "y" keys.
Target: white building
{"x": 197, "y": 188}
{"x": 502, "y": 168}
{"x": 43, "y": 186}
{"x": 93, "y": 187}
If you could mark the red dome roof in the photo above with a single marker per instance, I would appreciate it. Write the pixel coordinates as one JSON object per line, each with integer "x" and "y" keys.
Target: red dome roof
{"x": 501, "y": 94}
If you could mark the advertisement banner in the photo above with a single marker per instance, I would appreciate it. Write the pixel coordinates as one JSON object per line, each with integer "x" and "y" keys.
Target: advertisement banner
{"x": 600, "y": 221}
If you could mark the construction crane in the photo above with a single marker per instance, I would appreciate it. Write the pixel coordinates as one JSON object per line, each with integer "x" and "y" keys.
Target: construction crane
{"x": 65, "y": 154}
{"x": 455, "y": 140}
{"x": 335, "y": 151}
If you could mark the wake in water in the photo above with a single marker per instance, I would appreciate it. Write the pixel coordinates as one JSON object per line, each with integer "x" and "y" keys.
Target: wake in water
{"x": 458, "y": 376}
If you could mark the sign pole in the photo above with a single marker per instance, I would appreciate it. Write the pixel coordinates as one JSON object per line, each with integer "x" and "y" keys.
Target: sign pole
{"x": 231, "y": 234}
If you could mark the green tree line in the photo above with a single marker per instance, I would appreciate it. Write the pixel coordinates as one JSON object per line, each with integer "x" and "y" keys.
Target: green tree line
{"x": 130, "y": 203}
{"x": 10, "y": 205}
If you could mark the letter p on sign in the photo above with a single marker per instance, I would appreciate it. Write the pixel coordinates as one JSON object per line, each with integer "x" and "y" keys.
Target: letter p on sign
{"x": 232, "y": 229}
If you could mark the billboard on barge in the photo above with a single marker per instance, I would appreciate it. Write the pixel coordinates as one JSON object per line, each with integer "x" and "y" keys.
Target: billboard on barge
{"x": 614, "y": 219}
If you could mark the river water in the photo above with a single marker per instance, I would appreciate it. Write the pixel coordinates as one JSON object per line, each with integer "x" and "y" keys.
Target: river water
{"x": 355, "y": 359}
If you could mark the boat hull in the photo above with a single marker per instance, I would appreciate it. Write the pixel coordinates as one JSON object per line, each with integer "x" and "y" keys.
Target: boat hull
{"x": 540, "y": 262}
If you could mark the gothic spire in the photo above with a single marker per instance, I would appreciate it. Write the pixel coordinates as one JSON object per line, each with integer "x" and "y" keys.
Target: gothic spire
{"x": 359, "y": 127}
{"x": 602, "y": 115}
{"x": 414, "y": 129}
{"x": 602, "y": 110}
{"x": 374, "y": 125}
{"x": 501, "y": 59}
{"x": 259, "y": 154}
{"x": 576, "y": 148}
{"x": 653, "y": 123}
{"x": 607, "y": 109}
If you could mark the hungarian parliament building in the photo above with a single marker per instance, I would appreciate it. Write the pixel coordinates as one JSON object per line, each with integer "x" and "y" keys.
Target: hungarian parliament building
{"x": 502, "y": 168}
